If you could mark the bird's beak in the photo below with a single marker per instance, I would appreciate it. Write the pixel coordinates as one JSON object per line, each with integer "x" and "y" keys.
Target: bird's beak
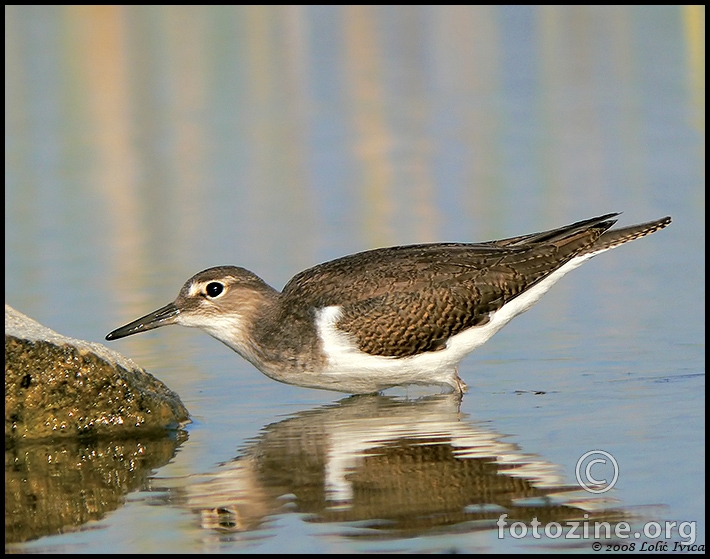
{"x": 162, "y": 317}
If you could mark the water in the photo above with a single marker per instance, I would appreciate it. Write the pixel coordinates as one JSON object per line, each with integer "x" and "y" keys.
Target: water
{"x": 144, "y": 144}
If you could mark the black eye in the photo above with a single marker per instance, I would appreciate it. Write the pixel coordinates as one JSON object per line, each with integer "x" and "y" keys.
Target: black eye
{"x": 214, "y": 289}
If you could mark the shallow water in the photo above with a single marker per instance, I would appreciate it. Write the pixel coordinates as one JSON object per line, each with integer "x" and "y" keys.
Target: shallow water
{"x": 146, "y": 144}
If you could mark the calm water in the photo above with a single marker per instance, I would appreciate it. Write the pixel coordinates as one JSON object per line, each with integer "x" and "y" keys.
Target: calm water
{"x": 145, "y": 144}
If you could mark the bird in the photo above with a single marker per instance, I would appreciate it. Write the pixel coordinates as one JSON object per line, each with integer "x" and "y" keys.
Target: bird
{"x": 386, "y": 317}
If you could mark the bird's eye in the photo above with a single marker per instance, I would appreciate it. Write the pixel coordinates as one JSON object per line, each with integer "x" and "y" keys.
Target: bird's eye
{"x": 214, "y": 289}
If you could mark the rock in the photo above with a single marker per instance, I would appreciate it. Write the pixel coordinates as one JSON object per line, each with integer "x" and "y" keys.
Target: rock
{"x": 59, "y": 387}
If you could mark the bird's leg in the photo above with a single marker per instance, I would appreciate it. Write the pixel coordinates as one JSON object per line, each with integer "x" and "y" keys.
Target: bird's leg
{"x": 460, "y": 385}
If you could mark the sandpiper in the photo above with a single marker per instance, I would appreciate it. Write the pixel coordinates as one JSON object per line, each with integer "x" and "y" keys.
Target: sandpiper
{"x": 385, "y": 317}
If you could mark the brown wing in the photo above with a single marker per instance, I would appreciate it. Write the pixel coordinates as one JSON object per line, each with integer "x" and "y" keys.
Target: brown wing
{"x": 414, "y": 317}
{"x": 410, "y": 268}
{"x": 404, "y": 300}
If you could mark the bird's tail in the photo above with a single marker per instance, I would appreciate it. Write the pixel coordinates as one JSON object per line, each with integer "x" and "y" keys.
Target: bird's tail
{"x": 616, "y": 237}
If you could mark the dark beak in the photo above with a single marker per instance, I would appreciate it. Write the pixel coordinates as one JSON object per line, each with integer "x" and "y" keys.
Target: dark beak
{"x": 162, "y": 317}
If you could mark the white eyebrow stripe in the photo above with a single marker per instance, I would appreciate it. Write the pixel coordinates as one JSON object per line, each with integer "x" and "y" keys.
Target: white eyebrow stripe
{"x": 196, "y": 288}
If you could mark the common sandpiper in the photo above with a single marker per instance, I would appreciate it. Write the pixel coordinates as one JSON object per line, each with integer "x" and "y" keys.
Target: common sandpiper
{"x": 385, "y": 317}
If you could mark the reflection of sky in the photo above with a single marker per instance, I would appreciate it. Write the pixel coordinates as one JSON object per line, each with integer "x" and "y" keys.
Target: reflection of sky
{"x": 146, "y": 143}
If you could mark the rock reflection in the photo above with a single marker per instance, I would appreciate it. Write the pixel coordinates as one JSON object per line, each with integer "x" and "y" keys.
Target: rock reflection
{"x": 58, "y": 486}
{"x": 387, "y": 467}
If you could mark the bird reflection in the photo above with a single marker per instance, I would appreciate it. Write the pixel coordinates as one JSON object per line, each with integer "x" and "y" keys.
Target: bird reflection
{"x": 389, "y": 467}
